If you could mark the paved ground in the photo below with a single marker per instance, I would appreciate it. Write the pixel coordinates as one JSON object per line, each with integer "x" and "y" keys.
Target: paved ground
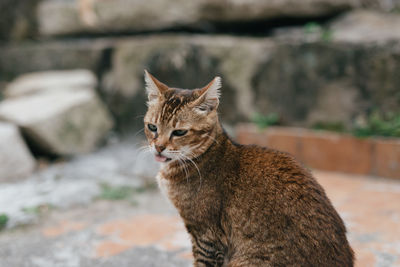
{"x": 126, "y": 224}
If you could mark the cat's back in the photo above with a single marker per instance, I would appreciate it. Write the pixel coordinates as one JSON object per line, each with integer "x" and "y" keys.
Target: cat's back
{"x": 291, "y": 209}
{"x": 272, "y": 168}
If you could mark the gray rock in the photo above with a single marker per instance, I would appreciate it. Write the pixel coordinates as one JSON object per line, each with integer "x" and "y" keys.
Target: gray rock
{"x": 334, "y": 73}
{"x": 364, "y": 26}
{"x": 20, "y": 58}
{"x": 243, "y": 10}
{"x": 62, "y": 122}
{"x": 16, "y": 161}
{"x": 186, "y": 62}
{"x": 78, "y": 181}
{"x": 72, "y": 17}
{"x": 17, "y": 19}
{"x": 383, "y": 5}
{"x": 330, "y": 82}
{"x": 50, "y": 80}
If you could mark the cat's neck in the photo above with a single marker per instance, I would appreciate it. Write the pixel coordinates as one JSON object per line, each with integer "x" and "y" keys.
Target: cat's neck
{"x": 219, "y": 143}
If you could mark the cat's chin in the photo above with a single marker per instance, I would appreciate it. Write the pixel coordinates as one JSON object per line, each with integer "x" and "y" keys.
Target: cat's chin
{"x": 162, "y": 159}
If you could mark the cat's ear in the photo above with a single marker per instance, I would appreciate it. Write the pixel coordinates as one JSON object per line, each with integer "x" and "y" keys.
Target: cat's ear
{"x": 208, "y": 99}
{"x": 155, "y": 89}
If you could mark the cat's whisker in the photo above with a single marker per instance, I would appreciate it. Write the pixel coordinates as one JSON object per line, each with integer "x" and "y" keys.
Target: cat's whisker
{"x": 195, "y": 165}
{"x": 216, "y": 141}
{"x": 138, "y": 132}
{"x": 143, "y": 149}
{"x": 184, "y": 167}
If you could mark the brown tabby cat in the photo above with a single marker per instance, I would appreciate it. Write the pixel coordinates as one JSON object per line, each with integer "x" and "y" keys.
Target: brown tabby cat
{"x": 242, "y": 205}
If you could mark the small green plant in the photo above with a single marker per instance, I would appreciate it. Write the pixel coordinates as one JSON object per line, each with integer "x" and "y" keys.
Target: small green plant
{"x": 115, "y": 192}
{"x": 31, "y": 210}
{"x": 325, "y": 33}
{"x": 329, "y": 126}
{"x": 3, "y": 220}
{"x": 263, "y": 121}
{"x": 395, "y": 10}
{"x": 37, "y": 210}
{"x": 379, "y": 125}
{"x": 312, "y": 27}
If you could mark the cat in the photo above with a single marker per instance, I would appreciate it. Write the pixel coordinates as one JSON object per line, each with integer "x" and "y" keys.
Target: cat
{"x": 242, "y": 205}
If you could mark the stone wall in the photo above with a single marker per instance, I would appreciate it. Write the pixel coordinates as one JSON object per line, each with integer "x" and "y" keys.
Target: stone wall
{"x": 336, "y": 69}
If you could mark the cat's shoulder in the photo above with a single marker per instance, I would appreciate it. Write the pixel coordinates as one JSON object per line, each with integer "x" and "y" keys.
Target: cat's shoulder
{"x": 271, "y": 161}
{"x": 264, "y": 153}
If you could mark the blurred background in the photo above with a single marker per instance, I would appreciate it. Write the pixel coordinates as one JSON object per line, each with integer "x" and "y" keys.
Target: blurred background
{"x": 317, "y": 78}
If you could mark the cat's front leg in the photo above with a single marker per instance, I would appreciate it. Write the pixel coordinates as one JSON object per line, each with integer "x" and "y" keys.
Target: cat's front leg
{"x": 206, "y": 254}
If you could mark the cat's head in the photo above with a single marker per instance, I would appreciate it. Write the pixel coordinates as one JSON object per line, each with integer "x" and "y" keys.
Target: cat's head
{"x": 180, "y": 123}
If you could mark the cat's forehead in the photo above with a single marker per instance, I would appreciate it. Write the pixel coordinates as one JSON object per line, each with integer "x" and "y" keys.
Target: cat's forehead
{"x": 184, "y": 95}
{"x": 173, "y": 108}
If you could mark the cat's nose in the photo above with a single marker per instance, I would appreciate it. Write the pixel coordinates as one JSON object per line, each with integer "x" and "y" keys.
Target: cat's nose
{"x": 159, "y": 148}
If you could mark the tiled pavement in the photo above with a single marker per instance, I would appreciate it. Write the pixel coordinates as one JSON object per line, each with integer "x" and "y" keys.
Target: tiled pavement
{"x": 146, "y": 231}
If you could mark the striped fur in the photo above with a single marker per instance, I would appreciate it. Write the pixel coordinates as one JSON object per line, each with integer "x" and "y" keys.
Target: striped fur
{"x": 242, "y": 205}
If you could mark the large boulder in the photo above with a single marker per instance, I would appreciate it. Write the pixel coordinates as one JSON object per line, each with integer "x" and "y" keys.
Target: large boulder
{"x": 66, "y": 17}
{"x": 337, "y": 75}
{"x": 21, "y": 58}
{"x": 61, "y": 121}
{"x": 31, "y": 83}
{"x": 363, "y": 26}
{"x": 383, "y": 5}
{"x": 16, "y": 161}
{"x": 185, "y": 62}
{"x": 17, "y": 19}
{"x": 306, "y": 77}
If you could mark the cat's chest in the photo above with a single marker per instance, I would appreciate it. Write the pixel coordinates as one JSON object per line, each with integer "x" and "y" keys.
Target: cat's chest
{"x": 197, "y": 201}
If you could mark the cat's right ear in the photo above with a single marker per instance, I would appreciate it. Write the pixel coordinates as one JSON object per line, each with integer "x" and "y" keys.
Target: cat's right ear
{"x": 155, "y": 89}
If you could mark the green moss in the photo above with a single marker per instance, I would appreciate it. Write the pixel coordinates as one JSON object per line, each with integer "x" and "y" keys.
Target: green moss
{"x": 329, "y": 126}
{"x": 311, "y": 27}
{"x": 325, "y": 33}
{"x": 37, "y": 210}
{"x": 115, "y": 192}
{"x": 264, "y": 121}
{"x": 3, "y": 220}
{"x": 31, "y": 210}
{"x": 395, "y": 10}
{"x": 123, "y": 192}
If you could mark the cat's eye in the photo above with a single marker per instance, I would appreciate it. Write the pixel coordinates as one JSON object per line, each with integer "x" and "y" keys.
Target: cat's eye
{"x": 152, "y": 127}
{"x": 179, "y": 132}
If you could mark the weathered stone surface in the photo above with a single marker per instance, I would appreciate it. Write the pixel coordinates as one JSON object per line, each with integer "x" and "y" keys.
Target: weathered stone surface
{"x": 16, "y": 161}
{"x": 99, "y": 16}
{"x": 185, "y": 62}
{"x": 307, "y": 83}
{"x": 17, "y": 19}
{"x": 364, "y": 26}
{"x": 384, "y": 5}
{"x": 243, "y": 10}
{"x": 50, "y": 80}
{"x": 62, "y": 122}
{"x": 16, "y": 59}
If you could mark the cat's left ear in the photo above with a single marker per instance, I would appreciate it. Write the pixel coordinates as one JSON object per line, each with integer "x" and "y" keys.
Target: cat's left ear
{"x": 155, "y": 89}
{"x": 208, "y": 99}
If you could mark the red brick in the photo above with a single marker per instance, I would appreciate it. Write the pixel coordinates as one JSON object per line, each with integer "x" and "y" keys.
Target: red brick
{"x": 281, "y": 138}
{"x": 387, "y": 158}
{"x": 336, "y": 152}
{"x": 320, "y": 150}
{"x": 248, "y": 134}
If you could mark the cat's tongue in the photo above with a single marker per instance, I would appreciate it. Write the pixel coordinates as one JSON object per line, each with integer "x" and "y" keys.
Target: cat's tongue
{"x": 160, "y": 158}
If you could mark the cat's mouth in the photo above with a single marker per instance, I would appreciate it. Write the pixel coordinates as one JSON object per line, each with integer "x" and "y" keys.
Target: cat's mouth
{"x": 161, "y": 158}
